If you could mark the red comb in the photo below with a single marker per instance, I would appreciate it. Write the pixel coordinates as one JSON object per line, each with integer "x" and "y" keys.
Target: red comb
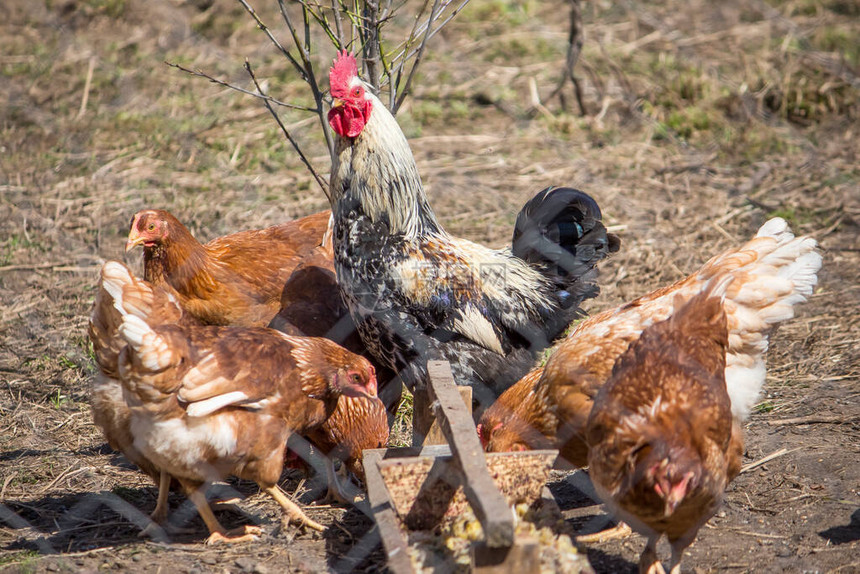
{"x": 342, "y": 71}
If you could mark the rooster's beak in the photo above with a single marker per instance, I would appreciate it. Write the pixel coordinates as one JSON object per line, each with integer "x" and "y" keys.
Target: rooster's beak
{"x": 336, "y": 103}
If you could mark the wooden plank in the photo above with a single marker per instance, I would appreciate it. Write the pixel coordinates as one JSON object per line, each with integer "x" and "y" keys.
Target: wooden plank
{"x": 422, "y": 416}
{"x": 487, "y": 502}
{"x": 425, "y": 427}
{"x": 393, "y": 541}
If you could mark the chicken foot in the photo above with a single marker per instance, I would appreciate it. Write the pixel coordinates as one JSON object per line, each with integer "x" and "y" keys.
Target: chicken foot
{"x": 649, "y": 563}
{"x": 158, "y": 518}
{"x": 678, "y": 547}
{"x": 336, "y": 490}
{"x": 291, "y": 509}
{"x": 218, "y": 533}
{"x": 620, "y": 530}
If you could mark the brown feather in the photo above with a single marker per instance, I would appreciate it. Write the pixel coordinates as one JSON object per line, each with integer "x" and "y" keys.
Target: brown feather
{"x": 236, "y": 279}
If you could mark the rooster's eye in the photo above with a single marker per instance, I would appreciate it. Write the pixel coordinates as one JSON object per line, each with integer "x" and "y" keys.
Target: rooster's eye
{"x": 356, "y": 92}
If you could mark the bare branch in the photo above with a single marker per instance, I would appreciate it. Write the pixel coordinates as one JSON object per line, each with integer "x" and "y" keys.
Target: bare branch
{"x": 405, "y": 91}
{"x": 370, "y": 41}
{"x": 202, "y": 74}
{"x": 322, "y": 183}
{"x": 576, "y": 37}
{"x": 338, "y": 22}
{"x": 274, "y": 40}
{"x": 308, "y": 68}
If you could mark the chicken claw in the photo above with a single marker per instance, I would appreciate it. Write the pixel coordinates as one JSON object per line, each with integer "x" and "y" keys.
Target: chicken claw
{"x": 337, "y": 491}
{"x": 649, "y": 563}
{"x": 620, "y": 530}
{"x": 153, "y": 530}
{"x": 292, "y": 510}
{"x": 245, "y": 533}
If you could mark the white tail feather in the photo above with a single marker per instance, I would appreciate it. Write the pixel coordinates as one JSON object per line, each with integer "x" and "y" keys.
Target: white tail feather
{"x": 783, "y": 275}
{"x": 114, "y": 276}
{"x": 152, "y": 350}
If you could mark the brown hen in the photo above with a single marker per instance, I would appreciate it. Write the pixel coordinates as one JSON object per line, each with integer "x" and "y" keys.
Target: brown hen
{"x": 194, "y": 392}
{"x": 237, "y": 279}
{"x": 770, "y": 274}
{"x": 662, "y": 441}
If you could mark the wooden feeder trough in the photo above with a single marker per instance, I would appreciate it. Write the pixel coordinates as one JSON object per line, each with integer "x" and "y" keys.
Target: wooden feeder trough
{"x": 423, "y": 486}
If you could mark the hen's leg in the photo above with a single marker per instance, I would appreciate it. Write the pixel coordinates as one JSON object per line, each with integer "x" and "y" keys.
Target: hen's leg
{"x": 217, "y": 533}
{"x": 291, "y": 509}
{"x": 159, "y": 515}
{"x": 678, "y": 547}
{"x": 649, "y": 563}
{"x": 336, "y": 490}
{"x": 620, "y": 530}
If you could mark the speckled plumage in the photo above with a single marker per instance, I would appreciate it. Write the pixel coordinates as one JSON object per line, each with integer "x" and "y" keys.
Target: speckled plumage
{"x": 417, "y": 293}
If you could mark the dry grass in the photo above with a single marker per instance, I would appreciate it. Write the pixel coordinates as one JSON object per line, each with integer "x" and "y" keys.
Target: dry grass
{"x": 706, "y": 119}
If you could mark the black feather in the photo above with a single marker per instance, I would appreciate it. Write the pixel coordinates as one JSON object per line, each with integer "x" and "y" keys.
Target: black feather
{"x": 560, "y": 229}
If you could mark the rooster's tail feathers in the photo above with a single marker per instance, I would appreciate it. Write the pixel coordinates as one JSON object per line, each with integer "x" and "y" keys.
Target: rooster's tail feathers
{"x": 560, "y": 228}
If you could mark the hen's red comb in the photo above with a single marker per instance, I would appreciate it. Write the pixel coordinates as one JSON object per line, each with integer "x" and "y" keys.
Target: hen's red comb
{"x": 342, "y": 71}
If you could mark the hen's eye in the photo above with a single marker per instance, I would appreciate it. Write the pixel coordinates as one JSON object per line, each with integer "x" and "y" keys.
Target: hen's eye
{"x": 356, "y": 378}
{"x": 150, "y": 227}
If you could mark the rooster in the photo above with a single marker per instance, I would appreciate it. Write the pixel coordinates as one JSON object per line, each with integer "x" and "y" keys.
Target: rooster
{"x": 236, "y": 279}
{"x": 192, "y": 393}
{"x": 417, "y": 293}
{"x": 663, "y": 443}
{"x": 770, "y": 274}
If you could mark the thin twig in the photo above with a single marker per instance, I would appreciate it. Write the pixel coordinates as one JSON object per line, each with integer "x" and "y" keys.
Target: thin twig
{"x": 338, "y": 23}
{"x": 308, "y": 72}
{"x": 322, "y": 183}
{"x": 274, "y": 40}
{"x": 419, "y": 54}
{"x": 814, "y": 419}
{"x": 202, "y": 74}
{"x": 765, "y": 460}
{"x": 88, "y": 82}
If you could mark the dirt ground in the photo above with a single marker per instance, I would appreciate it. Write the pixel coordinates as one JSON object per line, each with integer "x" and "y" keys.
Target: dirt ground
{"x": 704, "y": 119}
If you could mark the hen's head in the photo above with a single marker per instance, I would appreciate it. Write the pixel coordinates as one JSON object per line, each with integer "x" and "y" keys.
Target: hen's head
{"x": 357, "y": 378}
{"x": 150, "y": 228}
{"x": 496, "y": 438}
{"x": 670, "y": 476}
{"x": 509, "y": 434}
{"x": 351, "y": 103}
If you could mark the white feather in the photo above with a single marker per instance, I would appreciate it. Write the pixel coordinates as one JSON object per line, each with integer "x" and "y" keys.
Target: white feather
{"x": 477, "y": 328}
{"x": 209, "y": 406}
{"x": 114, "y": 276}
{"x": 152, "y": 350}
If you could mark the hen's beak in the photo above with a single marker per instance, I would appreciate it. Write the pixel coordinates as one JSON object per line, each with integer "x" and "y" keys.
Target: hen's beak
{"x": 134, "y": 239}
